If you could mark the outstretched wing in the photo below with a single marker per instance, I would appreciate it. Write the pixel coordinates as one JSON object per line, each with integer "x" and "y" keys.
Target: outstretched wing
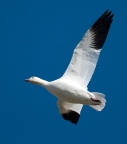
{"x": 85, "y": 56}
{"x": 69, "y": 111}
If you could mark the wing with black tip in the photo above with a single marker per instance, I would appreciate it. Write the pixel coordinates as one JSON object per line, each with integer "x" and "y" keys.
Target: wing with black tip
{"x": 69, "y": 111}
{"x": 85, "y": 55}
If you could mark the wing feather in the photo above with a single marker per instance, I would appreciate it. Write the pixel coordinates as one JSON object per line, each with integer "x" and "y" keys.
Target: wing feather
{"x": 69, "y": 111}
{"x": 86, "y": 53}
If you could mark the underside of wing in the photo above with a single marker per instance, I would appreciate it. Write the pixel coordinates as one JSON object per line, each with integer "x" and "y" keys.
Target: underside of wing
{"x": 86, "y": 53}
{"x": 69, "y": 111}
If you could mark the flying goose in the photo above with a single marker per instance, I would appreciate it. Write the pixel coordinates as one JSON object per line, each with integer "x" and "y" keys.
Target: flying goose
{"x": 72, "y": 88}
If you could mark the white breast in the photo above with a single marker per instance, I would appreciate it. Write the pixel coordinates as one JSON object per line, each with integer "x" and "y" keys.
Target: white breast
{"x": 68, "y": 91}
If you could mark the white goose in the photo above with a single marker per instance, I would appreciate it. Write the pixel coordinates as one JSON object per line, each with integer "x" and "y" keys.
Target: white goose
{"x": 71, "y": 89}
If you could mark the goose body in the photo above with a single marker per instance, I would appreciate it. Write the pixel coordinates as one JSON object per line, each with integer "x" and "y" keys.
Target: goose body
{"x": 72, "y": 88}
{"x": 75, "y": 93}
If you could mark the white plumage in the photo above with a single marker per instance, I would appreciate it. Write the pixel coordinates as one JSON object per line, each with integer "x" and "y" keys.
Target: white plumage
{"x": 71, "y": 89}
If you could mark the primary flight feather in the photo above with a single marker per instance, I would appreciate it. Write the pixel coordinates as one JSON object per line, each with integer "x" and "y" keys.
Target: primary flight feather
{"x": 71, "y": 89}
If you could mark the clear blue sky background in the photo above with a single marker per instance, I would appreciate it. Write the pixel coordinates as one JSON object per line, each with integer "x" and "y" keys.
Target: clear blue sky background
{"x": 37, "y": 37}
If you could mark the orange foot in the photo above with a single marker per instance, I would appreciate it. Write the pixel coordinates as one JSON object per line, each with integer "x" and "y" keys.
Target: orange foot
{"x": 96, "y": 100}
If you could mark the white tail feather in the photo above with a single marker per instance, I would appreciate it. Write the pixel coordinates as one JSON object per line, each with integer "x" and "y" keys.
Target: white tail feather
{"x": 101, "y": 97}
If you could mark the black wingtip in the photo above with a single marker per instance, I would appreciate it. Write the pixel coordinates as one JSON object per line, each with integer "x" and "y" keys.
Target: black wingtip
{"x": 71, "y": 116}
{"x": 100, "y": 29}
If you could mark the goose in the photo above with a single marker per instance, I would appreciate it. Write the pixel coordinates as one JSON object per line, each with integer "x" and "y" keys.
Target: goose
{"x": 72, "y": 88}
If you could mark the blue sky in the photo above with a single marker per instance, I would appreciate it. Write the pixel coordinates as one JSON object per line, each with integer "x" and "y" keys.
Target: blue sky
{"x": 37, "y": 38}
